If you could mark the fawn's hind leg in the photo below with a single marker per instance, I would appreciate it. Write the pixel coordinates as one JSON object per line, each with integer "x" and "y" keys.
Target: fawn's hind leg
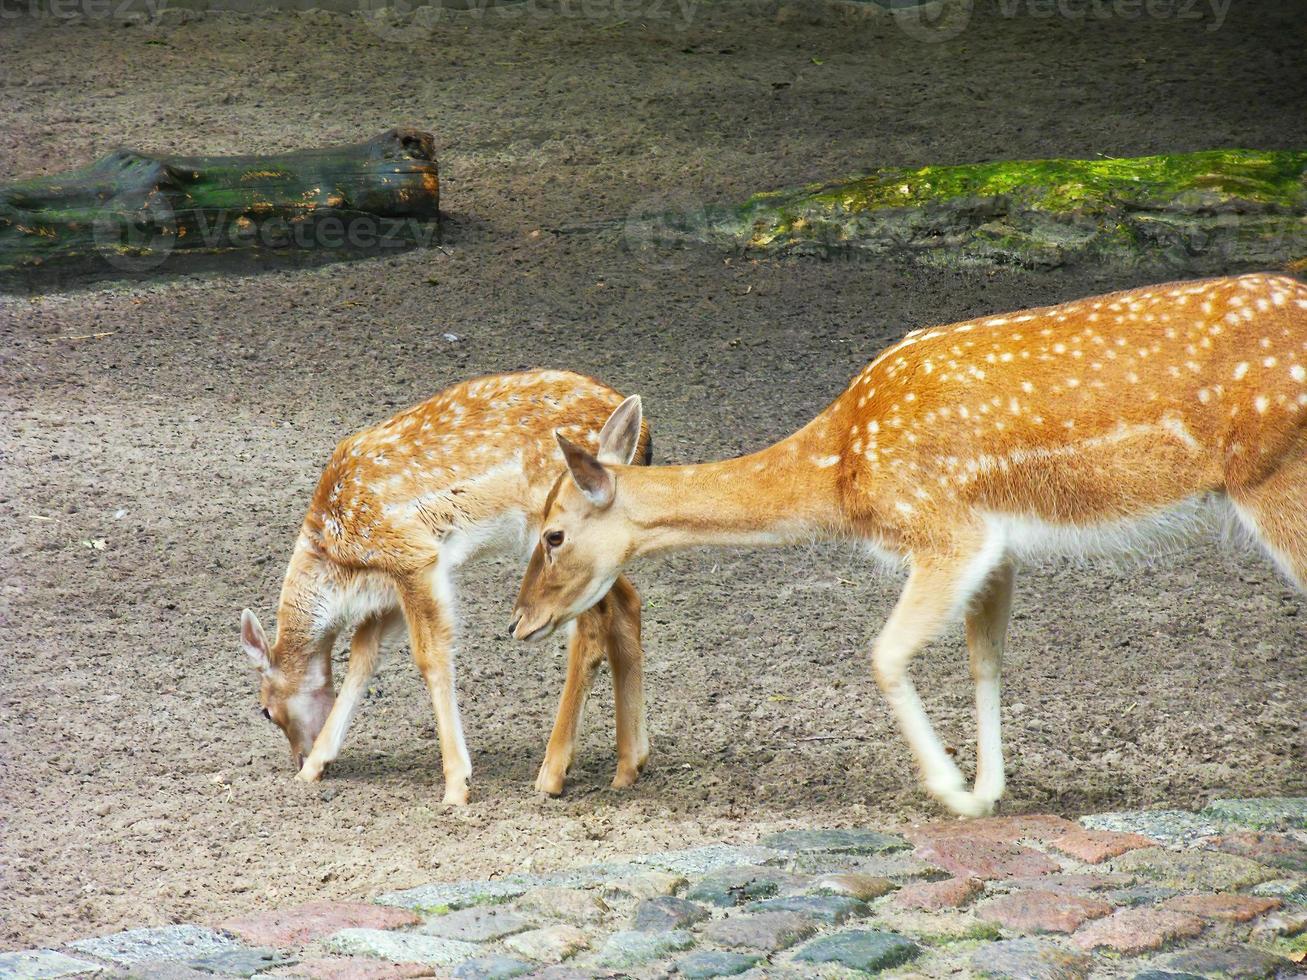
{"x": 364, "y": 648}
{"x": 1275, "y": 511}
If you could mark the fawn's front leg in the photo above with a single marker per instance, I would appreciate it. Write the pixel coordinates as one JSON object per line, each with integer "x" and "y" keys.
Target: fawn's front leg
{"x": 585, "y": 651}
{"x": 612, "y": 628}
{"x": 364, "y": 647}
{"x": 428, "y": 609}
{"x": 626, "y": 658}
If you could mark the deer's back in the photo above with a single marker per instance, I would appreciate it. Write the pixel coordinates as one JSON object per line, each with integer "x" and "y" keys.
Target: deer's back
{"x": 467, "y": 468}
{"x": 1088, "y": 411}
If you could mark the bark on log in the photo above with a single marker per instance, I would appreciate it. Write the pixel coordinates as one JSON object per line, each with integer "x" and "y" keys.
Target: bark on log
{"x": 129, "y": 212}
{"x": 1216, "y": 210}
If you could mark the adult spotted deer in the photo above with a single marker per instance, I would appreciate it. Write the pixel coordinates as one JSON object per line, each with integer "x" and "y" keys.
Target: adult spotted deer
{"x": 1104, "y": 425}
{"x": 398, "y": 509}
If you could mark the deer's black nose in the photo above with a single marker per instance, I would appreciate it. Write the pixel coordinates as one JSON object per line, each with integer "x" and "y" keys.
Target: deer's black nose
{"x": 512, "y": 627}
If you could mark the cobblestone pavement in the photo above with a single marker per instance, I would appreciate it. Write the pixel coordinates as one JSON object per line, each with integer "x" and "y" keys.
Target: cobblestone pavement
{"x": 1146, "y": 895}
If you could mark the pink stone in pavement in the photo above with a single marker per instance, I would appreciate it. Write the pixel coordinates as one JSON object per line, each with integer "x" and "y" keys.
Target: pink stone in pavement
{"x": 936, "y": 895}
{"x": 1231, "y": 908}
{"x": 285, "y": 928}
{"x": 1038, "y": 911}
{"x": 1279, "y": 850}
{"x": 354, "y": 968}
{"x": 1133, "y": 931}
{"x": 1096, "y": 846}
{"x": 1073, "y": 883}
{"x": 1038, "y": 827}
{"x": 980, "y": 857}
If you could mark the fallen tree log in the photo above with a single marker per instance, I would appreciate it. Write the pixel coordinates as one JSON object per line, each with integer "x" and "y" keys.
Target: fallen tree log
{"x": 1215, "y": 210}
{"x": 130, "y": 212}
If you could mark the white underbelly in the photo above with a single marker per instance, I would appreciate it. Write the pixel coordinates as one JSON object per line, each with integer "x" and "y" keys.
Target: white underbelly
{"x": 1138, "y": 538}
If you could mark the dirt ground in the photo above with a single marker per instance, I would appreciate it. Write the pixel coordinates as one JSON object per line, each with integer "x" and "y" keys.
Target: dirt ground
{"x": 138, "y": 784}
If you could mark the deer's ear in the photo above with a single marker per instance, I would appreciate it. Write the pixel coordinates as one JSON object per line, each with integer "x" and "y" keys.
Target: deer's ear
{"x": 589, "y": 475}
{"x": 621, "y": 433}
{"x": 255, "y": 642}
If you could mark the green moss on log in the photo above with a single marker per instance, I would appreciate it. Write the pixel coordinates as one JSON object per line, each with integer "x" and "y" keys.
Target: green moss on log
{"x": 130, "y": 212}
{"x": 1216, "y": 209}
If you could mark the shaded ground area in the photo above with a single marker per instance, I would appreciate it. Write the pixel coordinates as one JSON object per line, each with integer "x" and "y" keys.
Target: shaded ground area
{"x": 137, "y": 783}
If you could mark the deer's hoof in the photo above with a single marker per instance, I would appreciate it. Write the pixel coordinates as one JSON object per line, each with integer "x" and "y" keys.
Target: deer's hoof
{"x": 626, "y": 777}
{"x": 964, "y": 804}
{"x": 456, "y": 792}
{"x": 550, "y": 781}
{"x": 310, "y": 772}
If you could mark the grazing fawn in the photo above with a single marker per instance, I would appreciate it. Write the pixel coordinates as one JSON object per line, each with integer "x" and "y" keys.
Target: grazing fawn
{"x": 1110, "y": 424}
{"x": 398, "y": 509}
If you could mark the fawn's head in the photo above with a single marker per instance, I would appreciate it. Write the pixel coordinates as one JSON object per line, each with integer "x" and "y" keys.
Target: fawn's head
{"x": 584, "y": 535}
{"x": 298, "y": 707}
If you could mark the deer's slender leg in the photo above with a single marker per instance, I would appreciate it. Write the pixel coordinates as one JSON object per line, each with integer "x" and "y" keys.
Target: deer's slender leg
{"x": 987, "y": 621}
{"x": 611, "y": 627}
{"x": 428, "y": 607}
{"x": 585, "y": 651}
{"x": 626, "y": 658}
{"x": 364, "y": 647}
{"x": 938, "y": 588}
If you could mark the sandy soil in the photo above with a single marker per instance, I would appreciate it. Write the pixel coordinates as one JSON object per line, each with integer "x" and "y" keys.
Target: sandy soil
{"x": 138, "y": 784}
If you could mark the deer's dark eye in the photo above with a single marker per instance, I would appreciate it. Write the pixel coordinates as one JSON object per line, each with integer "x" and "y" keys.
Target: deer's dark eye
{"x": 267, "y": 714}
{"x": 554, "y": 538}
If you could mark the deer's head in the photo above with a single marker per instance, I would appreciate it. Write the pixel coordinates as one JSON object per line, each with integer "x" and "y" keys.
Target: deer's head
{"x": 298, "y": 707}
{"x": 585, "y": 536}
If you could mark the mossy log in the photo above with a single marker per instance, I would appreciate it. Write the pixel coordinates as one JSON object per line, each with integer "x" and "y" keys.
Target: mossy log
{"x": 129, "y": 212}
{"x": 1212, "y": 210}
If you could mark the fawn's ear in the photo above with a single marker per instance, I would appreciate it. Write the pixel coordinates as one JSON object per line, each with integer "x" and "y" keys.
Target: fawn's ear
{"x": 255, "y": 642}
{"x": 618, "y": 438}
{"x": 589, "y": 475}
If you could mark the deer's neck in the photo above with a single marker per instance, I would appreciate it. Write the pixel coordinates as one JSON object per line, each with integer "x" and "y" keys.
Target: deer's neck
{"x": 783, "y": 494}
{"x": 302, "y": 653}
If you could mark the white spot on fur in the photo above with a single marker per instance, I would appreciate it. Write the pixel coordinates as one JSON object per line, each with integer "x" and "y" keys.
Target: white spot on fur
{"x": 1177, "y": 428}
